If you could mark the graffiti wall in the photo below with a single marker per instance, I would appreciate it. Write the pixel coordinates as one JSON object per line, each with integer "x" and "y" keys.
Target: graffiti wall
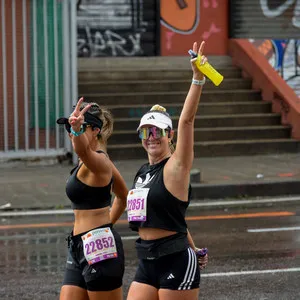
{"x": 116, "y": 28}
{"x": 273, "y": 26}
{"x": 185, "y": 21}
{"x": 265, "y": 19}
{"x": 284, "y": 56}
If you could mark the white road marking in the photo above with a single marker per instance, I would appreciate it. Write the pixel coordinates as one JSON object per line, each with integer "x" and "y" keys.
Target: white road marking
{"x": 4, "y": 206}
{"x": 48, "y": 236}
{"x": 132, "y": 237}
{"x": 36, "y": 213}
{"x": 274, "y": 229}
{"x": 254, "y": 272}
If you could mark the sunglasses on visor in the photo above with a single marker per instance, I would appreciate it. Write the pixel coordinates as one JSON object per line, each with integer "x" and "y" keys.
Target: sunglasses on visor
{"x": 144, "y": 133}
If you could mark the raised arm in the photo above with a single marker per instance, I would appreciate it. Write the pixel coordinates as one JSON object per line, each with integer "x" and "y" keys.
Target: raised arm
{"x": 81, "y": 143}
{"x": 184, "y": 153}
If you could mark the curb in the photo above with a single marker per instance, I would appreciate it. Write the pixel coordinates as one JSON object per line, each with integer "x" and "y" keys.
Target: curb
{"x": 245, "y": 190}
{"x": 207, "y": 195}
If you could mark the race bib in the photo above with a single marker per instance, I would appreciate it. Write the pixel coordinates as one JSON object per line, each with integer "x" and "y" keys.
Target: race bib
{"x": 137, "y": 204}
{"x": 99, "y": 244}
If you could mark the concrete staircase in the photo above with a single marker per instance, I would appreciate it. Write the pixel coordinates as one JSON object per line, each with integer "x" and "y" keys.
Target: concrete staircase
{"x": 232, "y": 119}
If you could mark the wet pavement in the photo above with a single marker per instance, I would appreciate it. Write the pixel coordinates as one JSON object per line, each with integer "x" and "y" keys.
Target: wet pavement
{"x": 247, "y": 259}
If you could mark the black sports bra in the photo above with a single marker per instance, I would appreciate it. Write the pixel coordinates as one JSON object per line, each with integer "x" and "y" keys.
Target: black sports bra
{"x": 83, "y": 196}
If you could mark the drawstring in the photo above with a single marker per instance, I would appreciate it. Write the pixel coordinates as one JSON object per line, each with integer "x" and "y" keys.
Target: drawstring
{"x": 69, "y": 239}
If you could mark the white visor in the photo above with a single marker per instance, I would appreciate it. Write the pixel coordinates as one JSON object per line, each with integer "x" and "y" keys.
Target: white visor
{"x": 157, "y": 119}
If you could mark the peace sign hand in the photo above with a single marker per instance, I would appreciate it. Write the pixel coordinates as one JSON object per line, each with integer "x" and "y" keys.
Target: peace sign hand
{"x": 197, "y": 73}
{"x": 76, "y": 118}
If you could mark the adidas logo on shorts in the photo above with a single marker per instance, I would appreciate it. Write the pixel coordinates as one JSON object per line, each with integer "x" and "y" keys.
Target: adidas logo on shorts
{"x": 171, "y": 276}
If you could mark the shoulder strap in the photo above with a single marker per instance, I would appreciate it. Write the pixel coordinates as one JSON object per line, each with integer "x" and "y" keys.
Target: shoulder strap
{"x": 100, "y": 151}
{"x": 76, "y": 168}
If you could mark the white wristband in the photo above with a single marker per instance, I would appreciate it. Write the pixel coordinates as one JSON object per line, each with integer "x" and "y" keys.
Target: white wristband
{"x": 198, "y": 82}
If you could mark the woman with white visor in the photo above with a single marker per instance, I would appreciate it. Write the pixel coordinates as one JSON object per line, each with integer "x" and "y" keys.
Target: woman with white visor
{"x": 168, "y": 265}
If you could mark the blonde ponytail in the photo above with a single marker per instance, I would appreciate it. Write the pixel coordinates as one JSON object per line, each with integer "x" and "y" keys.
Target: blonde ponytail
{"x": 108, "y": 124}
{"x": 158, "y": 107}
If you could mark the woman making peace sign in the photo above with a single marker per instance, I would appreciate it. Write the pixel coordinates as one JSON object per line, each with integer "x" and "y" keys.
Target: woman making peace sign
{"x": 95, "y": 264}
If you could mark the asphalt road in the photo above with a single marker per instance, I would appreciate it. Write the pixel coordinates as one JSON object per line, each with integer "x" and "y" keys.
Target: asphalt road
{"x": 254, "y": 253}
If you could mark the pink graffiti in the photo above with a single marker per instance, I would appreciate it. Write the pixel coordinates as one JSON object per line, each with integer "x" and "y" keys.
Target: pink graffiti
{"x": 213, "y": 3}
{"x": 213, "y": 29}
{"x": 169, "y": 35}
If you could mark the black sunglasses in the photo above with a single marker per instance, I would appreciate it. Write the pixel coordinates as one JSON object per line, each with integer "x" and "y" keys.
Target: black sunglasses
{"x": 84, "y": 126}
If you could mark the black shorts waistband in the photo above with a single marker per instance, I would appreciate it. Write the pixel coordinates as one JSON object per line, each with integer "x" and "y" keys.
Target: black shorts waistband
{"x": 155, "y": 249}
{"x": 77, "y": 238}
{"x": 163, "y": 239}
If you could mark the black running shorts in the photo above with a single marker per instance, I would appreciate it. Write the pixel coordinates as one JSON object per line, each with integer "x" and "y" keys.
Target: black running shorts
{"x": 105, "y": 275}
{"x": 177, "y": 271}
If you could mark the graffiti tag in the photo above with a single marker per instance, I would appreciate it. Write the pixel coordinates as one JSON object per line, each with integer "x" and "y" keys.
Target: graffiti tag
{"x": 106, "y": 28}
{"x": 108, "y": 42}
{"x": 214, "y": 3}
{"x": 213, "y": 29}
{"x": 275, "y": 12}
{"x": 284, "y": 56}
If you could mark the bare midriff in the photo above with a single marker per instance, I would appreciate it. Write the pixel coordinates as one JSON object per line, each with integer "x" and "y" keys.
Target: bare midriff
{"x": 86, "y": 220}
{"x": 154, "y": 233}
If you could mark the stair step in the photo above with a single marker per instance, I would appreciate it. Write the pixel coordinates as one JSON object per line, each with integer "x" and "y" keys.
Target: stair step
{"x": 231, "y": 120}
{"x": 212, "y": 121}
{"x": 150, "y": 63}
{"x": 224, "y": 108}
{"x": 133, "y": 74}
{"x": 157, "y": 85}
{"x": 247, "y": 147}
{"x": 172, "y": 97}
{"x": 217, "y": 148}
{"x": 214, "y": 134}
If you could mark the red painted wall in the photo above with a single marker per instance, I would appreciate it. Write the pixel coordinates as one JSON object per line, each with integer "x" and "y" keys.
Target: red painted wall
{"x": 185, "y": 21}
{"x": 9, "y": 74}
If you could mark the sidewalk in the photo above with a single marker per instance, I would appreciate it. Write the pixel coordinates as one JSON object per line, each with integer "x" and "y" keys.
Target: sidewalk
{"x": 34, "y": 186}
